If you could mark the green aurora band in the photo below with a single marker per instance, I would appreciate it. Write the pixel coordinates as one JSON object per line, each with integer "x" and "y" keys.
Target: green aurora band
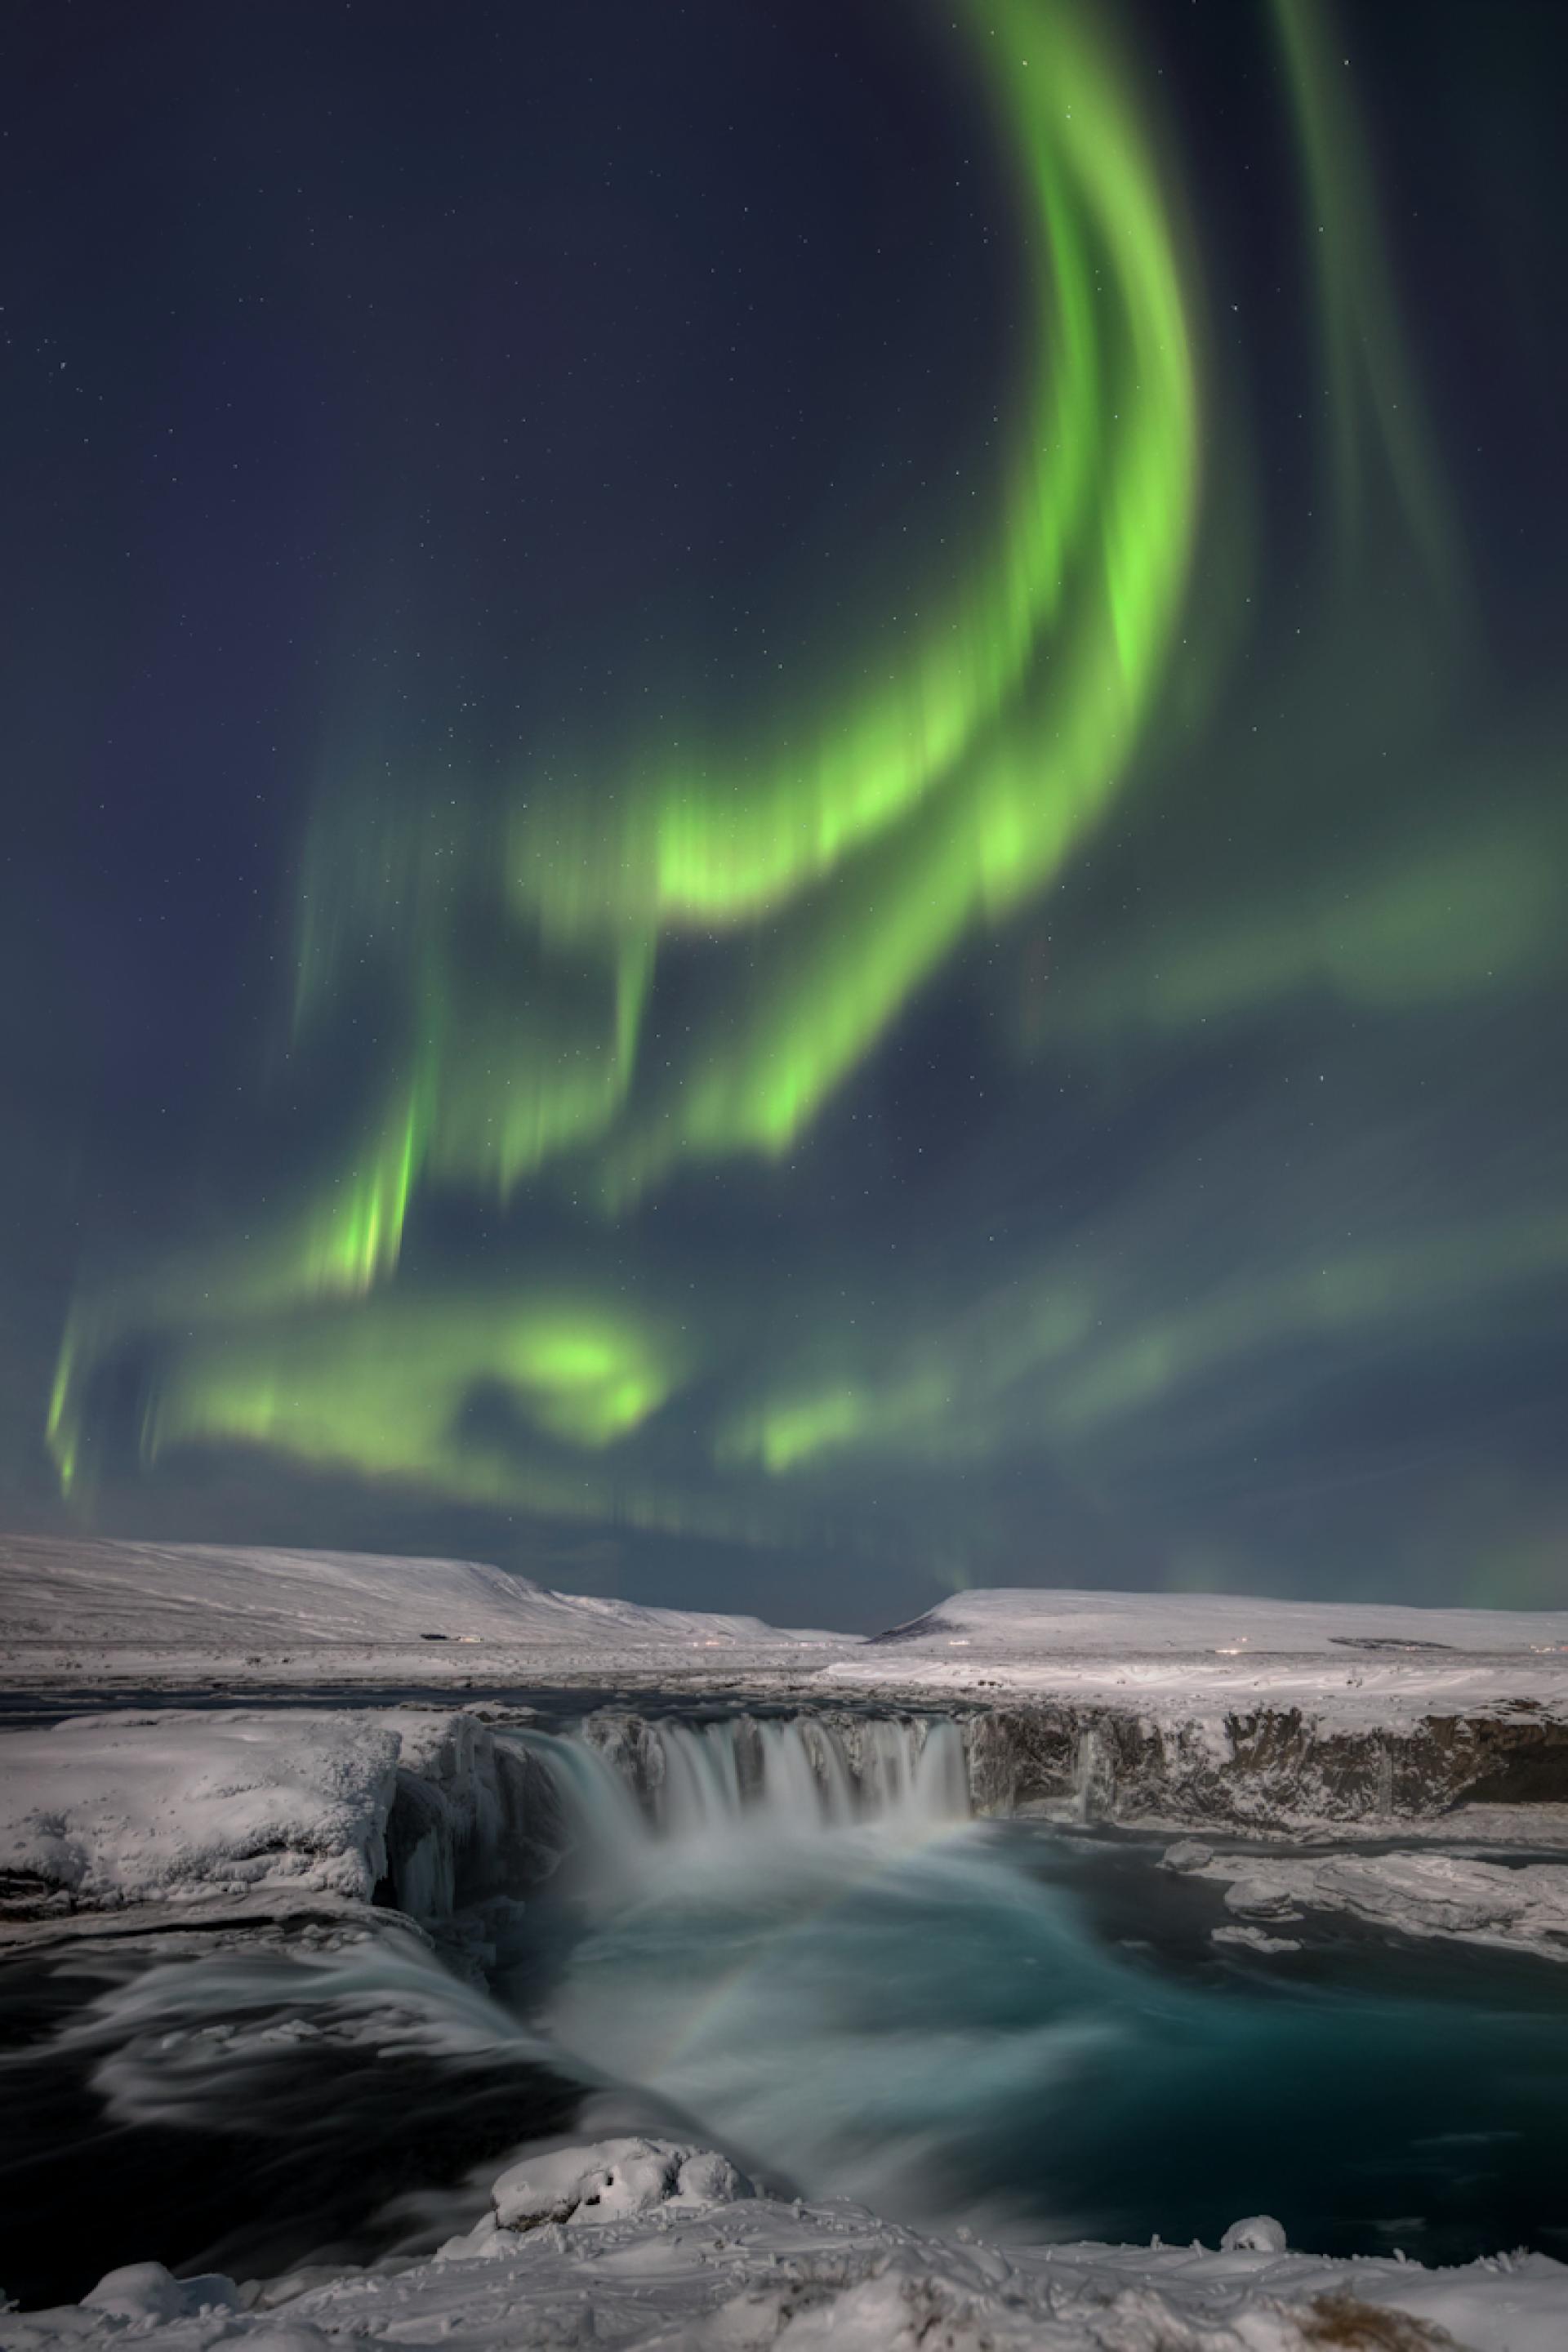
{"x": 926, "y": 793}
{"x": 942, "y": 798}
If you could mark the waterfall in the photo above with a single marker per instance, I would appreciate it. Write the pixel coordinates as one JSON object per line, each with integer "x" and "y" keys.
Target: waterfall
{"x": 629, "y": 1787}
{"x": 1094, "y": 1776}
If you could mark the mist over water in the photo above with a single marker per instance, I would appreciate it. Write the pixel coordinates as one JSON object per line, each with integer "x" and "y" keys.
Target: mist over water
{"x": 879, "y": 1997}
{"x": 790, "y": 1940}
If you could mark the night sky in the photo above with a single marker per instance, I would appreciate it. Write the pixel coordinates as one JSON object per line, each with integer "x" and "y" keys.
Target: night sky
{"x": 785, "y": 808}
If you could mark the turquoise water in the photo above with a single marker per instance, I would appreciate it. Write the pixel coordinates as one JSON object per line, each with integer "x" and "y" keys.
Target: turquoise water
{"x": 1003, "y": 2025}
{"x": 808, "y": 1956}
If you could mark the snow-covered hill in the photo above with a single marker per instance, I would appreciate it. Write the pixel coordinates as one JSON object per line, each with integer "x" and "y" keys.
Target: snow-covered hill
{"x": 253, "y": 1605}
{"x": 1029, "y": 1624}
{"x": 148, "y": 1597}
{"x": 1162, "y": 1659}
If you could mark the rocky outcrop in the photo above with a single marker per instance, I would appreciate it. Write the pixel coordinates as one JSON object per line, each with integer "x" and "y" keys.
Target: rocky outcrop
{"x": 1263, "y": 1768}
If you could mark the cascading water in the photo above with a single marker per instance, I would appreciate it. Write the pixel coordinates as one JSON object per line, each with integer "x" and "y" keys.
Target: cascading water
{"x": 796, "y": 1938}
{"x": 632, "y": 1790}
{"x": 787, "y": 1939}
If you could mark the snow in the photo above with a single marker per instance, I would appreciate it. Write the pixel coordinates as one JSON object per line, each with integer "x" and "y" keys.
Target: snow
{"x": 1260, "y": 2233}
{"x": 1462, "y": 1899}
{"x": 167, "y": 1603}
{"x": 694, "y": 2266}
{"x": 654, "y": 2244}
{"x": 138, "y": 1807}
{"x": 1265, "y": 1716}
{"x": 279, "y": 1807}
{"x": 1030, "y": 1622}
{"x": 1168, "y": 1656}
{"x": 184, "y": 1612}
{"x": 152, "y": 1616}
{"x": 149, "y": 2291}
{"x": 644, "y": 2243}
{"x": 587, "y": 2187}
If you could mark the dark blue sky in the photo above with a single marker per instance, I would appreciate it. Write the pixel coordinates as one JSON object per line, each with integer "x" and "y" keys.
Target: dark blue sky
{"x": 448, "y": 452}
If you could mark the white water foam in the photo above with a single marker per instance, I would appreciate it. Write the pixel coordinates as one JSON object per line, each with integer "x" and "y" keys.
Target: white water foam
{"x": 632, "y": 1790}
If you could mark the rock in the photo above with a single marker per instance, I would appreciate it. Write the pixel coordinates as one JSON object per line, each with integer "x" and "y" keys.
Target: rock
{"x": 1188, "y": 1853}
{"x": 1260, "y": 2233}
{"x": 1269, "y": 1766}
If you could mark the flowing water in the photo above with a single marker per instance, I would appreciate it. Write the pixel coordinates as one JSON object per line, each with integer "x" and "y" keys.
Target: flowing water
{"x": 790, "y": 1939}
{"x": 851, "y": 1984}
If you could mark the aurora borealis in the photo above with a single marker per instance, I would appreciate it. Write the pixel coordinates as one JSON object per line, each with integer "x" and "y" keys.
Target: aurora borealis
{"x": 791, "y": 795}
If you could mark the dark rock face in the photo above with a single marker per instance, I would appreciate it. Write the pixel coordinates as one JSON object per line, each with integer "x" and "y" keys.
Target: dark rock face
{"x": 1269, "y": 1767}
{"x": 24, "y": 1896}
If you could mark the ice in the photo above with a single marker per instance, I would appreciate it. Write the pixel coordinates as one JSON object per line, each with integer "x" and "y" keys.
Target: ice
{"x": 1454, "y": 1897}
{"x": 426, "y": 1809}
{"x": 149, "y": 2291}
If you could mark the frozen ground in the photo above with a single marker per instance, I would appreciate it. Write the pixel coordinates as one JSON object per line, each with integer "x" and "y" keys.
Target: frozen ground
{"x": 75, "y": 1614}
{"x": 636, "y": 2242}
{"x": 1030, "y": 1624}
{"x": 1163, "y": 1655}
{"x": 168, "y": 1610}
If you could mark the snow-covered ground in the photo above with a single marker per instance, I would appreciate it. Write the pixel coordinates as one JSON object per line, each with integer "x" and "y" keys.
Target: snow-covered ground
{"x": 74, "y": 1613}
{"x": 69, "y": 1607}
{"x": 1027, "y": 1623}
{"x": 274, "y": 1809}
{"x": 639, "y": 2243}
{"x": 1167, "y": 1654}
{"x": 112, "y": 1810}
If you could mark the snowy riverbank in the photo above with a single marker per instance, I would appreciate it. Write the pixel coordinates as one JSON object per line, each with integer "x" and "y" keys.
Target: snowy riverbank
{"x": 646, "y": 2247}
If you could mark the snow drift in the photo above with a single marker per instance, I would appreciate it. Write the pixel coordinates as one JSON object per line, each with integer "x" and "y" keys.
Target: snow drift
{"x": 682, "y": 2256}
